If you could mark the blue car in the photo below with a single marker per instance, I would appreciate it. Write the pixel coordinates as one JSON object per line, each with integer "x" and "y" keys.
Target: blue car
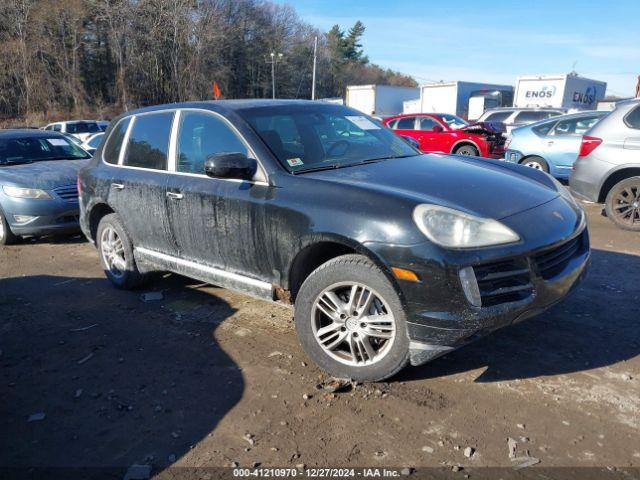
{"x": 551, "y": 145}
{"x": 38, "y": 192}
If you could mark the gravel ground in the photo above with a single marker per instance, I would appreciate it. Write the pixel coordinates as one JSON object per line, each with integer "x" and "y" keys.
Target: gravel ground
{"x": 95, "y": 377}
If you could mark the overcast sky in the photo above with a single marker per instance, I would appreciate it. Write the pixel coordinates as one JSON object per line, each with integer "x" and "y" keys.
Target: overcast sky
{"x": 493, "y": 41}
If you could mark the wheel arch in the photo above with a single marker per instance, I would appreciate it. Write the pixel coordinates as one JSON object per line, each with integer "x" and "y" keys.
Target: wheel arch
{"x": 321, "y": 249}
{"x": 615, "y": 177}
{"x": 95, "y": 214}
{"x": 466, "y": 141}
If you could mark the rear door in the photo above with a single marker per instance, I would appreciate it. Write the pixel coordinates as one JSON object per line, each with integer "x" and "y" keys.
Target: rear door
{"x": 138, "y": 186}
{"x": 406, "y": 126}
{"x": 562, "y": 143}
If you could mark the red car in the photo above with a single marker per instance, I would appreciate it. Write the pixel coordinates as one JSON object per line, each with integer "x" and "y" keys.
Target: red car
{"x": 446, "y": 133}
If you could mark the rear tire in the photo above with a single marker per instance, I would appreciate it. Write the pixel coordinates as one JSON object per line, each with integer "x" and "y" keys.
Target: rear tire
{"x": 623, "y": 204}
{"x": 116, "y": 254}
{"x": 537, "y": 163}
{"x": 467, "y": 150}
{"x": 364, "y": 335}
{"x": 6, "y": 235}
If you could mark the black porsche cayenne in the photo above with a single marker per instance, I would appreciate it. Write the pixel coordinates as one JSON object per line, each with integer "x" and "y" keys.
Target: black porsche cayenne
{"x": 389, "y": 256}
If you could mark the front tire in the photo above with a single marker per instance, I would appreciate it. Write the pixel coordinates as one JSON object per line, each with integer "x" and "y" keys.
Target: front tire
{"x": 116, "y": 254}
{"x": 467, "y": 150}
{"x": 537, "y": 163}
{"x": 350, "y": 320}
{"x": 6, "y": 235}
{"x": 623, "y": 204}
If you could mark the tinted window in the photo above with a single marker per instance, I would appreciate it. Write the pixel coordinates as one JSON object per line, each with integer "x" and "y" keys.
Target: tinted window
{"x": 27, "y": 149}
{"x": 497, "y": 116}
{"x": 633, "y": 118}
{"x": 149, "y": 141}
{"x": 111, "y": 150}
{"x": 202, "y": 134}
{"x": 427, "y": 123}
{"x": 530, "y": 117}
{"x": 406, "y": 123}
{"x": 83, "y": 127}
{"x": 56, "y": 127}
{"x": 392, "y": 124}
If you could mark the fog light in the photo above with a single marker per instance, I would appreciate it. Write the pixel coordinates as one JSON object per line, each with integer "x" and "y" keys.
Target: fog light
{"x": 23, "y": 218}
{"x": 470, "y": 286}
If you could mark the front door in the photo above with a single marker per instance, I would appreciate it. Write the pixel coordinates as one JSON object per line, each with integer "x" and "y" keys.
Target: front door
{"x": 138, "y": 187}
{"x": 563, "y": 142}
{"x": 216, "y": 222}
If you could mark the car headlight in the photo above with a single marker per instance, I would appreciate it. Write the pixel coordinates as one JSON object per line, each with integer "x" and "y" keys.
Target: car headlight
{"x": 20, "y": 192}
{"x": 454, "y": 229}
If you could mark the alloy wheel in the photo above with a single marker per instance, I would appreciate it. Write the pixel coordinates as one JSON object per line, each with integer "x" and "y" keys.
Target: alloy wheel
{"x": 112, "y": 250}
{"x": 533, "y": 164}
{"x": 353, "y": 324}
{"x": 626, "y": 205}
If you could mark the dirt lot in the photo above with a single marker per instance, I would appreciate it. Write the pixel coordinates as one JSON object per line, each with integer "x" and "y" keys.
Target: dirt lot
{"x": 207, "y": 377}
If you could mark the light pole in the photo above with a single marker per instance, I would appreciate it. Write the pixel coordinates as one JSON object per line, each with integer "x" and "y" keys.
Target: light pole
{"x": 315, "y": 60}
{"x": 274, "y": 59}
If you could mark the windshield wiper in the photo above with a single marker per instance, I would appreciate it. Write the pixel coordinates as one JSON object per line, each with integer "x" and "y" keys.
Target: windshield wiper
{"x": 331, "y": 166}
{"x": 380, "y": 159}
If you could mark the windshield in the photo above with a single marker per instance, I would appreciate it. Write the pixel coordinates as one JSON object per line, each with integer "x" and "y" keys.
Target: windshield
{"x": 312, "y": 137}
{"x": 453, "y": 122}
{"x": 26, "y": 149}
{"x": 83, "y": 127}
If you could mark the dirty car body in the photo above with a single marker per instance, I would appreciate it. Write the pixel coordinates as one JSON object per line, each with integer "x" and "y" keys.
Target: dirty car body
{"x": 38, "y": 192}
{"x": 320, "y": 206}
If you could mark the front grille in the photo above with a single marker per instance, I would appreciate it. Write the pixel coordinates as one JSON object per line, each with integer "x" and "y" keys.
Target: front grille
{"x": 551, "y": 262}
{"x": 502, "y": 282}
{"x": 68, "y": 193}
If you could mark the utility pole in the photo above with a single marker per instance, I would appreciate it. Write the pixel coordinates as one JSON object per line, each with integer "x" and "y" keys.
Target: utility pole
{"x": 274, "y": 59}
{"x": 315, "y": 59}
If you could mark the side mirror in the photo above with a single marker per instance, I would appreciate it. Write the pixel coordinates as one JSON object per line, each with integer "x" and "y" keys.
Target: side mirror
{"x": 411, "y": 141}
{"x": 230, "y": 165}
{"x": 437, "y": 129}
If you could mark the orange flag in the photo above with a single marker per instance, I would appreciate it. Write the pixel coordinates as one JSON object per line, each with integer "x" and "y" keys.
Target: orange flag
{"x": 216, "y": 91}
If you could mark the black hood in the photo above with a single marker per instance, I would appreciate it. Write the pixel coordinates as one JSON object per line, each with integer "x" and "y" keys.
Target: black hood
{"x": 44, "y": 175}
{"x": 479, "y": 187}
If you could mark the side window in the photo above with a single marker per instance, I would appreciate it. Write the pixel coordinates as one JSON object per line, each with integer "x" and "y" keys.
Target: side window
{"x": 427, "y": 123}
{"x": 406, "y": 123}
{"x": 530, "y": 117}
{"x": 57, "y": 127}
{"x": 498, "y": 116}
{"x": 149, "y": 141}
{"x": 565, "y": 127}
{"x": 633, "y": 118}
{"x": 111, "y": 150}
{"x": 543, "y": 129}
{"x": 392, "y": 124}
{"x": 203, "y": 134}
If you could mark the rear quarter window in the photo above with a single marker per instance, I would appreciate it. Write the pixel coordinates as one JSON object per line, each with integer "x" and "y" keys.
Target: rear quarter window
{"x": 111, "y": 151}
{"x": 633, "y": 118}
{"x": 497, "y": 117}
{"x": 149, "y": 141}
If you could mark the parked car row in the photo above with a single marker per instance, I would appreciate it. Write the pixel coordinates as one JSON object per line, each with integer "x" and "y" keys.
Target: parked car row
{"x": 281, "y": 200}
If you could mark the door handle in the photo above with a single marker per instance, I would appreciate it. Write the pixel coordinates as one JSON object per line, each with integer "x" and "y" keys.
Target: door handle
{"x": 117, "y": 186}
{"x": 174, "y": 196}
